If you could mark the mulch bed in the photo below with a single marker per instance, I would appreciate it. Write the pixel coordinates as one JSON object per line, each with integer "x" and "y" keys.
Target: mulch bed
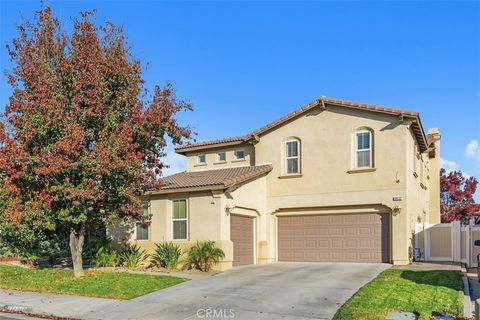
{"x": 9, "y": 259}
{"x": 158, "y": 270}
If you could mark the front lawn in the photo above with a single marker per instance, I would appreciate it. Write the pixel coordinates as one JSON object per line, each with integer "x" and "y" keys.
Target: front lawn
{"x": 419, "y": 291}
{"x": 116, "y": 285}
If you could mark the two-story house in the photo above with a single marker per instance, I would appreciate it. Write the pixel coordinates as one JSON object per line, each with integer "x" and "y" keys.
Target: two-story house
{"x": 331, "y": 181}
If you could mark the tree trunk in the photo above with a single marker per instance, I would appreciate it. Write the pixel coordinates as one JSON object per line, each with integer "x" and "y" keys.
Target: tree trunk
{"x": 77, "y": 238}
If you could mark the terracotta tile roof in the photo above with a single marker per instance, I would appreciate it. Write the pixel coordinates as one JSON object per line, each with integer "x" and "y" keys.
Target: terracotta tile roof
{"x": 215, "y": 143}
{"x": 322, "y": 102}
{"x": 215, "y": 179}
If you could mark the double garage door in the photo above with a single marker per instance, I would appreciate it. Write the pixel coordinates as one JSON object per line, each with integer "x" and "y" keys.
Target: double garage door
{"x": 334, "y": 238}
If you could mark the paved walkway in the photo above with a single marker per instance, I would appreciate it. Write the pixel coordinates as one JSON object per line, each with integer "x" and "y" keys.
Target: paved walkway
{"x": 474, "y": 286}
{"x": 296, "y": 291}
{"x": 448, "y": 266}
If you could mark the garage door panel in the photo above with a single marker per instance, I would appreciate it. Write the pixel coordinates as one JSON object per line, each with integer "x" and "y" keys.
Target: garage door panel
{"x": 350, "y": 231}
{"x": 337, "y": 243}
{"x": 242, "y": 236}
{"x": 311, "y": 244}
{"x": 348, "y": 237}
{"x": 311, "y": 231}
{"x": 350, "y": 244}
{"x": 299, "y": 232}
{"x": 323, "y": 243}
{"x": 336, "y": 231}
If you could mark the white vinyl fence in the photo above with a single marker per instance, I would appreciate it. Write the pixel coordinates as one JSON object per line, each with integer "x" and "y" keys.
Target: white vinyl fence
{"x": 452, "y": 242}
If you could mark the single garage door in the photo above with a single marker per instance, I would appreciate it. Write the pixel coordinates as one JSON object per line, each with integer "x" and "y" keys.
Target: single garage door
{"x": 241, "y": 234}
{"x": 347, "y": 237}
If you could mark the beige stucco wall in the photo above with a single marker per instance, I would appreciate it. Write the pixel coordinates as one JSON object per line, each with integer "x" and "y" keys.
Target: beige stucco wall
{"x": 328, "y": 183}
{"x": 204, "y": 223}
{"x": 327, "y": 139}
{"x": 212, "y": 162}
{"x": 208, "y": 218}
{"x": 416, "y": 205}
{"x": 250, "y": 200}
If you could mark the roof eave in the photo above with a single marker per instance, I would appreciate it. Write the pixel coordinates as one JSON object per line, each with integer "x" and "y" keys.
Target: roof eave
{"x": 321, "y": 102}
{"x": 185, "y": 190}
{"x": 201, "y": 146}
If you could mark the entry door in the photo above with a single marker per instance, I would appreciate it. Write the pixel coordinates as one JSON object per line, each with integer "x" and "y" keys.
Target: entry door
{"x": 242, "y": 236}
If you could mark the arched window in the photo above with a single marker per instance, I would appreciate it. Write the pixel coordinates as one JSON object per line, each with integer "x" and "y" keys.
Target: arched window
{"x": 363, "y": 149}
{"x": 292, "y": 156}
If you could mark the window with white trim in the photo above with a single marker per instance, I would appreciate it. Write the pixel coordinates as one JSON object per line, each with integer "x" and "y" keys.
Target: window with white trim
{"x": 239, "y": 154}
{"x": 221, "y": 157}
{"x": 180, "y": 220}
{"x": 201, "y": 158}
{"x": 292, "y": 156}
{"x": 363, "y": 149}
{"x": 142, "y": 229}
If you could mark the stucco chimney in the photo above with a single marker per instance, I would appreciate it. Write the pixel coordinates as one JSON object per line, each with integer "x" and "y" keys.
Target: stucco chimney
{"x": 433, "y": 139}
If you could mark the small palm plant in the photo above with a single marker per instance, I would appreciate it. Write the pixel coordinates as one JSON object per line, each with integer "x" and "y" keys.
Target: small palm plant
{"x": 106, "y": 256}
{"x": 203, "y": 255}
{"x": 166, "y": 255}
{"x": 132, "y": 256}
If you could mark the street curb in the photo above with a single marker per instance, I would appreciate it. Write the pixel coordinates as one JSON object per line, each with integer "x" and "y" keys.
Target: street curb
{"x": 467, "y": 301}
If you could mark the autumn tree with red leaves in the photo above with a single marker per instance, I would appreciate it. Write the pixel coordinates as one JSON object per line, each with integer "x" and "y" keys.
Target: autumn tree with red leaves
{"x": 80, "y": 141}
{"x": 456, "y": 196}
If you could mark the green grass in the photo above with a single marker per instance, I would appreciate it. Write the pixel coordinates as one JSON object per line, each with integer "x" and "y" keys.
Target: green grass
{"x": 425, "y": 293}
{"x": 115, "y": 285}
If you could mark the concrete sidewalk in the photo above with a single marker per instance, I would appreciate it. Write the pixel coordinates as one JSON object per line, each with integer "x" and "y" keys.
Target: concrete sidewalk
{"x": 474, "y": 286}
{"x": 55, "y": 304}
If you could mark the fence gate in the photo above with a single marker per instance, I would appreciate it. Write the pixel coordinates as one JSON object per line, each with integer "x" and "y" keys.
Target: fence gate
{"x": 450, "y": 242}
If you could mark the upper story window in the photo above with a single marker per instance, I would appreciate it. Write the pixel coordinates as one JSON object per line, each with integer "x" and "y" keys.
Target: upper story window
{"x": 201, "y": 158}
{"x": 180, "y": 220}
{"x": 221, "y": 157}
{"x": 292, "y": 156}
{"x": 363, "y": 149}
{"x": 239, "y": 154}
{"x": 141, "y": 229}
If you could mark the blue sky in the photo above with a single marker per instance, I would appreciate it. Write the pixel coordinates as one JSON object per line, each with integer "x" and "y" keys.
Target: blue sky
{"x": 244, "y": 64}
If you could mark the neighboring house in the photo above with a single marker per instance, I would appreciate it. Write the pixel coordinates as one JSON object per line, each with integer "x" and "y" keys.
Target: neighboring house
{"x": 332, "y": 181}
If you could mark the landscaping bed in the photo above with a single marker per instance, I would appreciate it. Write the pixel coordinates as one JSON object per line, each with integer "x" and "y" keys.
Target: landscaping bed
{"x": 114, "y": 285}
{"x": 423, "y": 292}
{"x": 156, "y": 269}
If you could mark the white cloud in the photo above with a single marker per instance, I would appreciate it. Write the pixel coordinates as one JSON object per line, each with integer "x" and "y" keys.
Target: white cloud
{"x": 174, "y": 161}
{"x": 472, "y": 151}
{"x": 449, "y": 166}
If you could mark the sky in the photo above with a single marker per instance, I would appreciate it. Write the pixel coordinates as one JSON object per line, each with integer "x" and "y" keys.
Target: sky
{"x": 244, "y": 64}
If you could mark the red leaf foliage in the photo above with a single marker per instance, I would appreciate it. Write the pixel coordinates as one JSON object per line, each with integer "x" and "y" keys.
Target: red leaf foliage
{"x": 456, "y": 196}
{"x": 80, "y": 140}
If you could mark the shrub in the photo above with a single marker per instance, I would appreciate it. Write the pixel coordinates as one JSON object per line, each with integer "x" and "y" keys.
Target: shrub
{"x": 166, "y": 255}
{"x": 203, "y": 255}
{"x": 106, "y": 256}
{"x": 132, "y": 256}
{"x": 93, "y": 243}
{"x": 29, "y": 258}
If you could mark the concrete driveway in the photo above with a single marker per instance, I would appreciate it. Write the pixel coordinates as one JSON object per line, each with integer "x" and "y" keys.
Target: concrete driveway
{"x": 273, "y": 291}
